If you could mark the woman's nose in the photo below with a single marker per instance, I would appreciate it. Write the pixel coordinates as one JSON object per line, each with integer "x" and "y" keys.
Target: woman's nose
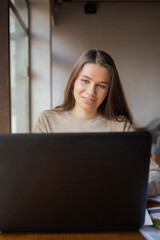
{"x": 91, "y": 89}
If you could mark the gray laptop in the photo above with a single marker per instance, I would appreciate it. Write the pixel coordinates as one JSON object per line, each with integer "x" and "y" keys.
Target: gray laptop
{"x": 73, "y": 182}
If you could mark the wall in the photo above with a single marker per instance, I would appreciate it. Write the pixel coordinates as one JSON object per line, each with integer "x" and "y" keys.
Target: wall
{"x": 129, "y": 32}
{"x": 40, "y": 51}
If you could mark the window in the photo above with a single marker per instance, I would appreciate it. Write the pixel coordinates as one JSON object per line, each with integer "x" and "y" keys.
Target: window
{"x": 19, "y": 66}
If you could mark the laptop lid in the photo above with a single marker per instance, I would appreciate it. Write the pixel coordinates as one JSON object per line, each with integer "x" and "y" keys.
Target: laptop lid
{"x": 73, "y": 181}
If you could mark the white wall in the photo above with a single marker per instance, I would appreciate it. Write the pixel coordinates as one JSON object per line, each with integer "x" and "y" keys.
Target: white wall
{"x": 40, "y": 58}
{"x": 129, "y": 32}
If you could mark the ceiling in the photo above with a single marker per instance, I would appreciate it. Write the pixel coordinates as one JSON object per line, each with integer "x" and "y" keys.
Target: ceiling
{"x": 61, "y": 1}
{"x": 107, "y": 1}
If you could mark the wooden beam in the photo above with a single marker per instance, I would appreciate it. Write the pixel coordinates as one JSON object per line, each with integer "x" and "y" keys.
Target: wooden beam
{"x": 4, "y": 68}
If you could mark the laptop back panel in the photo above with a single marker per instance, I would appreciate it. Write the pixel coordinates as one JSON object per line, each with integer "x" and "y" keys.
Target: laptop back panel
{"x": 73, "y": 182}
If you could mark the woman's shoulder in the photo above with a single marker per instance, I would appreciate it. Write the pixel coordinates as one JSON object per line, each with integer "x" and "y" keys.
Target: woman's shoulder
{"x": 48, "y": 119}
{"x": 51, "y": 113}
{"x": 45, "y": 115}
{"x": 121, "y": 124}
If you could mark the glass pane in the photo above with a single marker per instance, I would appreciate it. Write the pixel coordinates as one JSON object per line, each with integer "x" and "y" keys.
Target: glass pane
{"x": 21, "y": 7}
{"x": 18, "y": 77}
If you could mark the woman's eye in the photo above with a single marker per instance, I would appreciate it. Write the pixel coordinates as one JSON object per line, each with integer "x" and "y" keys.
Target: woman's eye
{"x": 85, "y": 81}
{"x": 101, "y": 86}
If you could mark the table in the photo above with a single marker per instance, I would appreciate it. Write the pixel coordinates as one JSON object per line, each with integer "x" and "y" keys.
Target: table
{"x": 78, "y": 236}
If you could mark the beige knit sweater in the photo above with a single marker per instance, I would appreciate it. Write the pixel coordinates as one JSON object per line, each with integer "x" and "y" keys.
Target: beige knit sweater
{"x": 55, "y": 122}
{"x": 51, "y": 121}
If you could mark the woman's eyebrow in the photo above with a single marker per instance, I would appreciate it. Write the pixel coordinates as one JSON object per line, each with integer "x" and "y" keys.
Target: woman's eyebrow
{"x": 105, "y": 82}
{"x": 85, "y": 76}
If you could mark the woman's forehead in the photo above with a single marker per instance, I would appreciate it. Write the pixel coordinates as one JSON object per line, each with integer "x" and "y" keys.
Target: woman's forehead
{"x": 92, "y": 70}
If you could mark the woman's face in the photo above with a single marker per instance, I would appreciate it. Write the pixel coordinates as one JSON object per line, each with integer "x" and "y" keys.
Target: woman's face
{"x": 90, "y": 88}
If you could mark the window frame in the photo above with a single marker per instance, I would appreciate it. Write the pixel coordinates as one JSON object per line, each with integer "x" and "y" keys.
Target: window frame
{"x": 27, "y": 31}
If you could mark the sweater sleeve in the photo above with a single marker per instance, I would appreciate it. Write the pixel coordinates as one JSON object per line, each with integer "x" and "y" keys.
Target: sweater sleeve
{"x": 40, "y": 126}
{"x": 154, "y": 180}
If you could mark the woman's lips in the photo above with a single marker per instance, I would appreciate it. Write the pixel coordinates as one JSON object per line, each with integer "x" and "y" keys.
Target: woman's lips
{"x": 88, "y": 100}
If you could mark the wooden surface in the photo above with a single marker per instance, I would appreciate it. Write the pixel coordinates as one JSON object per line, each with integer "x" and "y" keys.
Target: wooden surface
{"x": 76, "y": 236}
{"x": 152, "y": 204}
{"x": 139, "y": 128}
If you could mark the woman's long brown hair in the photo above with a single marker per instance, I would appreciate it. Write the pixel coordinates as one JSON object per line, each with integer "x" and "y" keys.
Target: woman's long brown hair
{"x": 114, "y": 106}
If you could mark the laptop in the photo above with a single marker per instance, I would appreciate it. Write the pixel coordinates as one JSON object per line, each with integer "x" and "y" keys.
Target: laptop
{"x": 73, "y": 182}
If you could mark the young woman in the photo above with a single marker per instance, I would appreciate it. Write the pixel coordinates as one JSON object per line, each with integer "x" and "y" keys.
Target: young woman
{"x": 94, "y": 100}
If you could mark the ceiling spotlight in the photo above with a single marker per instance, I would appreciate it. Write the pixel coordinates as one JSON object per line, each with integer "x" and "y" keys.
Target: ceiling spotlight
{"x": 90, "y": 8}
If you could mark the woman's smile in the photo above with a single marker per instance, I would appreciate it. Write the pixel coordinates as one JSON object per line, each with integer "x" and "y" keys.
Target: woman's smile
{"x": 88, "y": 100}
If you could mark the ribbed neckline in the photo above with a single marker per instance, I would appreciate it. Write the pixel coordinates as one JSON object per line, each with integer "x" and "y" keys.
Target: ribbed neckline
{"x": 72, "y": 116}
